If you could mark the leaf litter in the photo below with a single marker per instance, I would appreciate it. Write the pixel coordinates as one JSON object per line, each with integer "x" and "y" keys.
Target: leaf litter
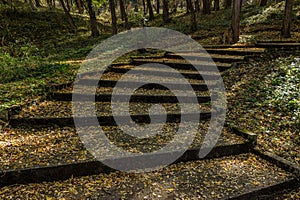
{"x": 252, "y": 106}
{"x": 205, "y": 179}
{"x": 26, "y": 147}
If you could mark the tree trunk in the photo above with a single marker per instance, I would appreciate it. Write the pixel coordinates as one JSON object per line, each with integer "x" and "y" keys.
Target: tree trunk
{"x": 165, "y": 11}
{"x": 216, "y": 5}
{"x": 37, "y": 3}
{"x": 93, "y": 20}
{"x": 113, "y": 16}
{"x": 287, "y": 21}
{"x": 79, "y": 6}
{"x": 122, "y": 9}
{"x": 228, "y": 3}
{"x": 235, "y": 23}
{"x": 188, "y": 6}
{"x": 136, "y": 6}
{"x": 157, "y": 6}
{"x": 144, "y": 7}
{"x": 206, "y": 7}
{"x": 193, "y": 21}
{"x": 68, "y": 5}
{"x": 197, "y": 5}
{"x": 263, "y": 3}
{"x": 69, "y": 17}
{"x": 124, "y": 14}
{"x": 151, "y": 14}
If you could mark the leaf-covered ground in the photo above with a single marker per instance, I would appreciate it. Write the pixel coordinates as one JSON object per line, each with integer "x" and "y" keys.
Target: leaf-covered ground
{"x": 207, "y": 179}
{"x": 26, "y": 147}
{"x": 264, "y": 97}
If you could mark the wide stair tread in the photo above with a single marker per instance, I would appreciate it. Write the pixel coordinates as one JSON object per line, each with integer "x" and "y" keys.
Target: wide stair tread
{"x": 117, "y": 71}
{"x": 106, "y": 118}
{"x": 237, "y": 51}
{"x": 238, "y": 176}
{"x": 278, "y": 44}
{"x": 205, "y": 66}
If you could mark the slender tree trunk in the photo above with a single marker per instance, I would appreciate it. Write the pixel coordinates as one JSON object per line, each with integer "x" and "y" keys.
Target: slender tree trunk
{"x": 157, "y": 6}
{"x": 193, "y": 22}
{"x": 124, "y": 14}
{"x": 216, "y": 5}
{"x": 69, "y": 17}
{"x": 113, "y": 16}
{"x": 68, "y": 5}
{"x": 165, "y": 11}
{"x": 136, "y": 6}
{"x": 235, "y": 23}
{"x": 187, "y": 3}
{"x": 151, "y": 14}
{"x": 197, "y": 5}
{"x": 79, "y": 6}
{"x": 263, "y": 3}
{"x": 228, "y": 3}
{"x": 122, "y": 9}
{"x": 144, "y": 7}
{"x": 37, "y": 3}
{"x": 287, "y": 21}
{"x": 93, "y": 20}
{"x": 206, "y": 7}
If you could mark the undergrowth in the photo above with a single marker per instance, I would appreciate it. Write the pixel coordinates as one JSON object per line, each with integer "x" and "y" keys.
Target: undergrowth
{"x": 283, "y": 92}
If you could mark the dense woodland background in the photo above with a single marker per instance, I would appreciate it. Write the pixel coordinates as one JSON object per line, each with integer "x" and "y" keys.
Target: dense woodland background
{"x": 35, "y": 32}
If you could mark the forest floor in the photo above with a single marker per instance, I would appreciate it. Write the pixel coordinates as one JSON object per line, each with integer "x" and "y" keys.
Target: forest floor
{"x": 263, "y": 94}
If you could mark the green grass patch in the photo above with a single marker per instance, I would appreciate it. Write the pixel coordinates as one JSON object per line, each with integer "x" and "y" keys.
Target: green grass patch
{"x": 23, "y": 79}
